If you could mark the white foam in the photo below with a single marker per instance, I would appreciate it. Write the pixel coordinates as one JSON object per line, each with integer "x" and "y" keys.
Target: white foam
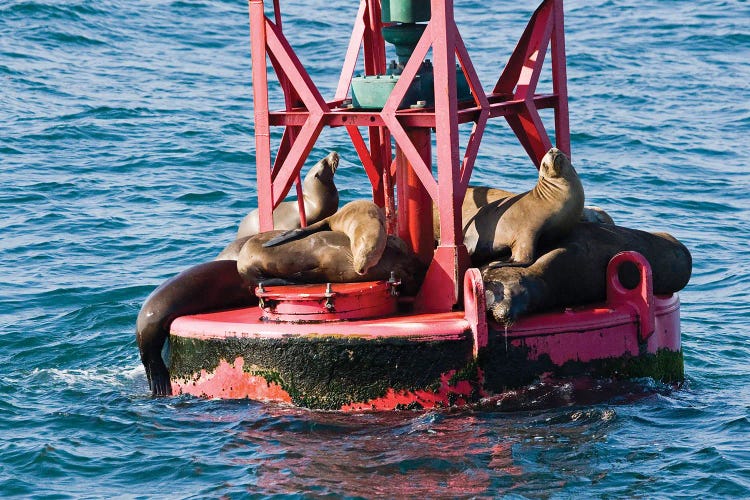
{"x": 114, "y": 376}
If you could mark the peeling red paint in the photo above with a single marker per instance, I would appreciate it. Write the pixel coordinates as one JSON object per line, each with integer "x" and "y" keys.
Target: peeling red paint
{"x": 460, "y": 393}
{"x": 230, "y": 381}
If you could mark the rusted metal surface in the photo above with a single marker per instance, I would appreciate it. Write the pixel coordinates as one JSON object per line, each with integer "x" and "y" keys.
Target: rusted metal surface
{"x": 418, "y": 361}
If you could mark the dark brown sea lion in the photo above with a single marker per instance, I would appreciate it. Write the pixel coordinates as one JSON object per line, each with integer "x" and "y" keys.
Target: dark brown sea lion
{"x": 361, "y": 221}
{"x": 573, "y": 270}
{"x": 515, "y": 225}
{"x": 325, "y": 256}
{"x": 205, "y": 287}
{"x": 320, "y": 196}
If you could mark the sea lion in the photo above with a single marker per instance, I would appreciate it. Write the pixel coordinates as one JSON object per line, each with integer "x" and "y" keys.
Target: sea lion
{"x": 479, "y": 196}
{"x": 572, "y": 271}
{"x": 323, "y": 257}
{"x": 319, "y": 193}
{"x": 597, "y": 215}
{"x": 516, "y": 224}
{"x": 362, "y": 221}
{"x": 232, "y": 250}
{"x": 201, "y": 288}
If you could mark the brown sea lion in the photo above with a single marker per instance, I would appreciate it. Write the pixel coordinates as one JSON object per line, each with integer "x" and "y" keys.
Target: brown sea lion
{"x": 362, "y": 221}
{"x": 325, "y": 256}
{"x": 319, "y": 193}
{"x": 572, "y": 271}
{"x": 202, "y": 288}
{"x": 479, "y": 196}
{"x": 232, "y": 250}
{"x": 597, "y": 215}
{"x": 515, "y": 225}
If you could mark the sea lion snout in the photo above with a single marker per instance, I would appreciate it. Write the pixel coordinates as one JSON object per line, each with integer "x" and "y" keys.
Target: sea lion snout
{"x": 332, "y": 162}
{"x": 333, "y": 159}
{"x": 554, "y": 163}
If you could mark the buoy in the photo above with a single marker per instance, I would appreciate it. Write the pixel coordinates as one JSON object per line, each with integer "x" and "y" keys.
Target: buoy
{"x": 362, "y": 346}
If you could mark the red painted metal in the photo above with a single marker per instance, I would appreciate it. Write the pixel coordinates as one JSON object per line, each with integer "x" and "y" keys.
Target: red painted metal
{"x": 579, "y": 335}
{"x": 475, "y": 307}
{"x": 414, "y": 202}
{"x": 641, "y": 297}
{"x": 306, "y": 113}
{"x": 328, "y": 302}
{"x": 592, "y": 333}
{"x": 249, "y": 322}
{"x": 630, "y": 323}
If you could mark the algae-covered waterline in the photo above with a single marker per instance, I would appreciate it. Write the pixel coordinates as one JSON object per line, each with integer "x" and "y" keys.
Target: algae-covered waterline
{"x": 127, "y": 155}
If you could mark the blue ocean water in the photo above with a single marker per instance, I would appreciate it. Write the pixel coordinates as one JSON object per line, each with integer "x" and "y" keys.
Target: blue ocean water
{"x": 126, "y": 155}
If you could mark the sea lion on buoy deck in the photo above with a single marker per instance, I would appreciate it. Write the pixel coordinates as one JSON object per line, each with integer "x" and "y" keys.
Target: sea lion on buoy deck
{"x": 473, "y": 203}
{"x": 516, "y": 224}
{"x": 479, "y": 196}
{"x": 596, "y": 215}
{"x": 232, "y": 250}
{"x": 202, "y": 288}
{"x": 362, "y": 221}
{"x": 325, "y": 256}
{"x": 319, "y": 193}
{"x": 572, "y": 271}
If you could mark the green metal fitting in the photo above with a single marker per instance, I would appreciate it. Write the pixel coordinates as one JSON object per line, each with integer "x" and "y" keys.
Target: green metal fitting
{"x": 405, "y": 11}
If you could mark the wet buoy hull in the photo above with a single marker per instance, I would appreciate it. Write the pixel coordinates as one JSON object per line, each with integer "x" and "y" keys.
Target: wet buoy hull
{"x": 414, "y": 361}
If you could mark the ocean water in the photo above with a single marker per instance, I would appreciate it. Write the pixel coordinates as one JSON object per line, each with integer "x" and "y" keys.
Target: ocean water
{"x": 126, "y": 155}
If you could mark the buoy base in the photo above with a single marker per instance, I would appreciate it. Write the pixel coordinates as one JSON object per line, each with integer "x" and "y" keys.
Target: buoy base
{"x": 412, "y": 361}
{"x": 425, "y": 360}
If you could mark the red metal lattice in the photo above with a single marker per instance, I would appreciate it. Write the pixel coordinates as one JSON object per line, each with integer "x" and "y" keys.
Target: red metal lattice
{"x": 307, "y": 112}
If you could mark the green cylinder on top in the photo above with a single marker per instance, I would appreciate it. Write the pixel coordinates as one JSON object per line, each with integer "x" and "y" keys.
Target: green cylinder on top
{"x": 404, "y": 37}
{"x": 405, "y": 11}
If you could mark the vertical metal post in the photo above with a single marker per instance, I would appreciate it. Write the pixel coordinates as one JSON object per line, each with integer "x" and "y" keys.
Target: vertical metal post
{"x": 260, "y": 111}
{"x": 290, "y": 98}
{"x": 560, "y": 79}
{"x": 442, "y": 286}
{"x": 414, "y": 202}
{"x": 374, "y": 58}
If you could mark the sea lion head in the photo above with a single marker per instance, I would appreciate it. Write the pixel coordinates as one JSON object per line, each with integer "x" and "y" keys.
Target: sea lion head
{"x": 324, "y": 170}
{"x": 362, "y": 261}
{"x": 367, "y": 249}
{"x": 556, "y": 164}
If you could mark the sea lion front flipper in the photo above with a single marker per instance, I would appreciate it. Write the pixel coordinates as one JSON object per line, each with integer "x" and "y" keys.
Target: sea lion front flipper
{"x": 291, "y": 235}
{"x": 523, "y": 250}
{"x": 506, "y": 263}
{"x": 296, "y": 234}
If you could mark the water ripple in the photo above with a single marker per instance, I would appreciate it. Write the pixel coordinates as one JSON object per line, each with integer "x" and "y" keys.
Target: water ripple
{"x": 127, "y": 155}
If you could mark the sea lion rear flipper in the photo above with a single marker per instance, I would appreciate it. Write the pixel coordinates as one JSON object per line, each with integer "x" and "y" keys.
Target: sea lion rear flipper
{"x": 158, "y": 377}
